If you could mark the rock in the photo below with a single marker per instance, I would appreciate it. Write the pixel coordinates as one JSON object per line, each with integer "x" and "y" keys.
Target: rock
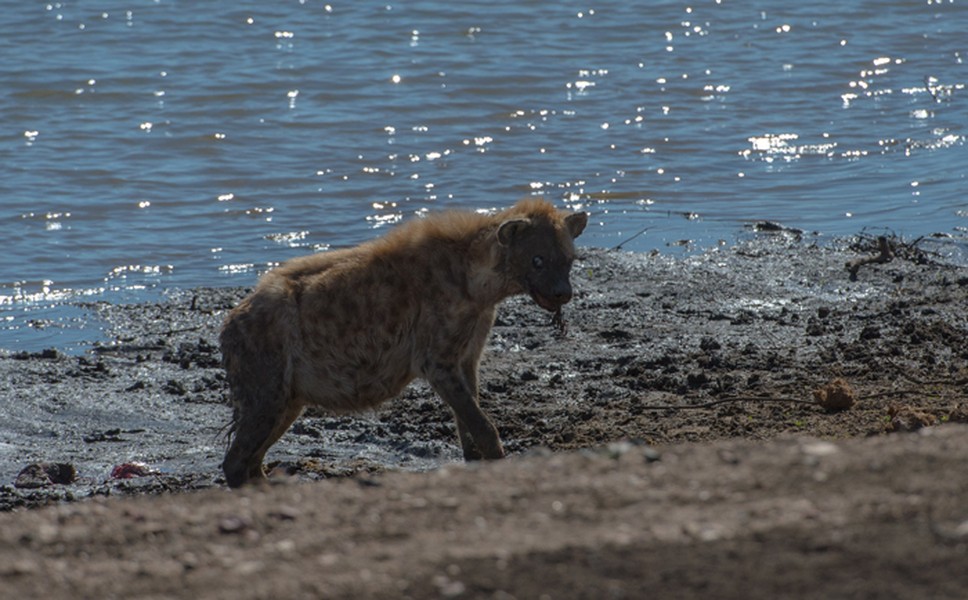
{"x": 233, "y": 524}
{"x": 175, "y": 387}
{"x": 38, "y": 475}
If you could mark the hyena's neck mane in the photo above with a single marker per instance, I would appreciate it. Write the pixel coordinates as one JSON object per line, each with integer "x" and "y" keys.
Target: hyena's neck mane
{"x": 466, "y": 240}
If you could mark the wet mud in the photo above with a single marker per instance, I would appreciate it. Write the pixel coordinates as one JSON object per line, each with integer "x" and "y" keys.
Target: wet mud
{"x": 735, "y": 350}
{"x": 770, "y": 337}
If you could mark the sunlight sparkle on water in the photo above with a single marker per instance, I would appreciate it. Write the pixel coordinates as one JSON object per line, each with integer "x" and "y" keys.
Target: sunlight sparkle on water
{"x": 636, "y": 114}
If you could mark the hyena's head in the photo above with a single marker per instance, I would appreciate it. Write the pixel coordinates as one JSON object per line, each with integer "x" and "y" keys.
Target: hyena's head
{"x": 540, "y": 249}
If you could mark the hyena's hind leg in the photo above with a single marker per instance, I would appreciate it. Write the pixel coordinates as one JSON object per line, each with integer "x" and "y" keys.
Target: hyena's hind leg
{"x": 259, "y": 372}
{"x": 254, "y": 432}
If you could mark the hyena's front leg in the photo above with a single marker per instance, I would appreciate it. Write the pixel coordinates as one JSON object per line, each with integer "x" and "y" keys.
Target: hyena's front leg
{"x": 471, "y": 452}
{"x": 479, "y": 437}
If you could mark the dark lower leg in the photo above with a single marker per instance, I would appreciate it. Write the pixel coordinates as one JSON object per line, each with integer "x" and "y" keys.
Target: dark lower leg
{"x": 467, "y": 443}
{"x": 254, "y": 435}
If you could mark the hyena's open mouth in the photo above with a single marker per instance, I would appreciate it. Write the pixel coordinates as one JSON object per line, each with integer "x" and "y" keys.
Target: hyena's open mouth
{"x": 544, "y": 302}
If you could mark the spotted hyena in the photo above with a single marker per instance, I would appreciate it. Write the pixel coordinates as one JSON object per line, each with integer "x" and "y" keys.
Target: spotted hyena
{"x": 348, "y": 329}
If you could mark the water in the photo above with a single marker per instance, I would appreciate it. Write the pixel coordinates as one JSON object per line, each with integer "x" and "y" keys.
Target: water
{"x": 156, "y": 144}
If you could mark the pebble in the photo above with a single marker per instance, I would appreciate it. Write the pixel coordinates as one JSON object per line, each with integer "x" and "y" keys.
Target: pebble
{"x": 38, "y": 475}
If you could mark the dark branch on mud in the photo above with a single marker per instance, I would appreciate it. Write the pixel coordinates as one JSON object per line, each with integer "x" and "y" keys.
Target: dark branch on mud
{"x": 883, "y": 256}
{"x": 726, "y": 401}
{"x": 732, "y": 399}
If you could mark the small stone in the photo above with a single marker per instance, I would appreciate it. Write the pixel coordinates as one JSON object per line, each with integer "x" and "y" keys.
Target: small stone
{"x": 285, "y": 513}
{"x": 709, "y": 343}
{"x": 820, "y": 448}
{"x": 651, "y": 455}
{"x": 38, "y": 475}
{"x": 615, "y": 450}
{"x": 175, "y": 387}
{"x": 232, "y": 524}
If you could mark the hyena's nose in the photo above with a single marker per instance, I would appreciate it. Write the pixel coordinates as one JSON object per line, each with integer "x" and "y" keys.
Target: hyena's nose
{"x": 562, "y": 292}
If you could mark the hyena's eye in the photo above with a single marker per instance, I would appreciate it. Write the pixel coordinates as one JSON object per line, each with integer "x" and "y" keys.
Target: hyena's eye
{"x": 537, "y": 262}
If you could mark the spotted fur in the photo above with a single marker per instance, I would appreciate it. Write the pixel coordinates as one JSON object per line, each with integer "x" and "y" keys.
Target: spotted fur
{"x": 348, "y": 329}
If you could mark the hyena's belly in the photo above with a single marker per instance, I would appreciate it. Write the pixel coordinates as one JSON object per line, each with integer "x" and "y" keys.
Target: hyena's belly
{"x": 357, "y": 341}
{"x": 348, "y": 381}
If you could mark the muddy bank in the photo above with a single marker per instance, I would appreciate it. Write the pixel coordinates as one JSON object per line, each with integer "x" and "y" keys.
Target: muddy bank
{"x": 752, "y": 422}
{"x": 737, "y": 342}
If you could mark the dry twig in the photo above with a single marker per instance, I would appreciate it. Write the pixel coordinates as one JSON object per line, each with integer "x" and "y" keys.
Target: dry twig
{"x": 885, "y": 255}
{"x": 759, "y": 399}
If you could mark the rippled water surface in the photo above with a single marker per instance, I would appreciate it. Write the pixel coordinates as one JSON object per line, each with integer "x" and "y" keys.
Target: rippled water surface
{"x": 156, "y": 144}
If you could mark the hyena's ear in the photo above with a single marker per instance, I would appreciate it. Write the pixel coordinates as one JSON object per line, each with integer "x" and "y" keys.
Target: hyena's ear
{"x": 511, "y": 229}
{"x": 575, "y": 222}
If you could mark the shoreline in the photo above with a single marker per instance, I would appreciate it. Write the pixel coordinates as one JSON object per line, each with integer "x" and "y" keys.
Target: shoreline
{"x": 70, "y": 324}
